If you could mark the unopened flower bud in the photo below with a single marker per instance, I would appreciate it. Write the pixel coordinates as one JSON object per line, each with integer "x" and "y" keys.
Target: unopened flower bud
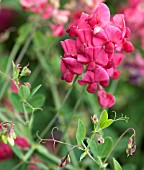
{"x": 130, "y": 143}
{"x": 131, "y": 148}
{"x": 100, "y": 140}
{"x": 10, "y": 140}
{"x": 4, "y": 139}
{"x": 25, "y": 71}
{"x": 62, "y": 164}
{"x": 68, "y": 159}
{"x": 18, "y": 67}
{"x": 94, "y": 119}
{"x": 27, "y": 84}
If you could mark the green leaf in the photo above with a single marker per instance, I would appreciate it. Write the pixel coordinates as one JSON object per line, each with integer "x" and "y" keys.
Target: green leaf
{"x": 116, "y": 165}
{"x": 24, "y": 92}
{"x": 104, "y": 148}
{"x": 15, "y": 100}
{"x": 81, "y": 132}
{"x": 35, "y": 90}
{"x": 8, "y": 164}
{"x": 83, "y": 155}
{"x": 15, "y": 71}
{"x": 93, "y": 148}
{"x": 106, "y": 123}
{"x": 103, "y": 118}
{"x": 37, "y": 100}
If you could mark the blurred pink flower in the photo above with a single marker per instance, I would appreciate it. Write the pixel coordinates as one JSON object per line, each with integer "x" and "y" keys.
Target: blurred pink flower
{"x": 22, "y": 142}
{"x": 5, "y": 151}
{"x": 135, "y": 68}
{"x": 134, "y": 14}
{"x": 7, "y": 17}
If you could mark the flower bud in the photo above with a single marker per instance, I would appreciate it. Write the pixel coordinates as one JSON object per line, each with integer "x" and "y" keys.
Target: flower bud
{"x": 131, "y": 148}
{"x": 68, "y": 159}
{"x": 27, "y": 84}
{"x": 62, "y": 164}
{"x": 4, "y": 139}
{"x": 100, "y": 140}
{"x": 94, "y": 119}
{"x": 25, "y": 71}
{"x": 10, "y": 140}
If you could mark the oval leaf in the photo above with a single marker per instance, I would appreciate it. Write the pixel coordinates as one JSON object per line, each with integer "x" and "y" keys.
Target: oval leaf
{"x": 103, "y": 118}
{"x": 104, "y": 148}
{"x": 24, "y": 92}
{"x": 15, "y": 100}
{"x": 116, "y": 165}
{"x": 106, "y": 123}
{"x": 93, "y": 148}
{"x": 81, "y": 132}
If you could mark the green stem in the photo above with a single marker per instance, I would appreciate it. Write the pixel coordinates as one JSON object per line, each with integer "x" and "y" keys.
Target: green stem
{"x": 57, "y": 114}
{"x": 20, "y": 57}
{"x": 25, "y": 113}
{"x": 49, "y": 77}
{"x": 129, "y": 129}
{"x": 11, "y": 58}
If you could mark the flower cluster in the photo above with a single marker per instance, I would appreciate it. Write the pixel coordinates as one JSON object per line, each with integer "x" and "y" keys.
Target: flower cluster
{"x": 49, "y": 9}
{"x": 7, "y": 134}
{"x": 96, "y": 51}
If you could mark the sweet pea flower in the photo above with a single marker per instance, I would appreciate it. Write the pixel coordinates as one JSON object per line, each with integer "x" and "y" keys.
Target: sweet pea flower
{"x": 96, "y": 51}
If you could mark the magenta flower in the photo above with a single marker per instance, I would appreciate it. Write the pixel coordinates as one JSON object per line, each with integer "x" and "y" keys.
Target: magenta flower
{"x": 5, "y": 151}
{"x": 96, "y": 51}
{"x": 22, "y": 142}
{"x": 105, "y": 99}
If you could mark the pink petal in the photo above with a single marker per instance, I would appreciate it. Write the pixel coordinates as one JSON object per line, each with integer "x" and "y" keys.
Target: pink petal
{"x": 114, "y": 33}
{"x": 119, "y": 21}
{"x": 116, "y": 74}
{"x": 91, "y": 66}
{"x": 92, "y": 88}
{"x": 88, "y": 78}
{"x": 85, "y": 38}
{"x": 128, "y": 47}
{"x": 106, "y": 100}
{"x": 73, "y": 65}
{"x": 117, "y": 59}
{"x": 100, "y": 74}
{"x": 98, "y": 55}
{"x": 101, "y": 16}
{"x": 82, "y": 23}
{"x": 69, "y": 47}
{"x": 62, "y": 66}
{"x": 83, "y": 58}
{"x": 67, "y": 76}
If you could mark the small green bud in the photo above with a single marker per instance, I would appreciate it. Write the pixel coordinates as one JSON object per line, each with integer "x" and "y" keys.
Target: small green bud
{"x": 10, "y": 141}
{"x": 4, "y": 139}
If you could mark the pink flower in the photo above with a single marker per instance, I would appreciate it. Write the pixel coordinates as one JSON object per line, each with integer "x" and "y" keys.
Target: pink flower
{"x": 106, "y": 100}
{"x": 5, "y": 151}
{"x": 96, "y": 51}
{"x": 57, "y": 30}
